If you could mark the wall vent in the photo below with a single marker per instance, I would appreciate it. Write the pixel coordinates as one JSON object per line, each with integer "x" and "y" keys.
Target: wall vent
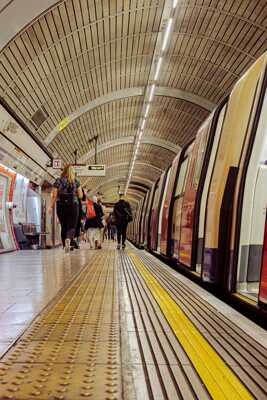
{"x": 39, "y": 117}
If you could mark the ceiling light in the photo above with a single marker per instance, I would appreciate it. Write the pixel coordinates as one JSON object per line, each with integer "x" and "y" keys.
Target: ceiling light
{"x": 142, "y": 127}
{"x": 147, "y": 110}
{"x": 174, "y": 4}
{"x": 167, "y": 34}
{"x": 158, "y": 69}
{"x": 152, "y": 93}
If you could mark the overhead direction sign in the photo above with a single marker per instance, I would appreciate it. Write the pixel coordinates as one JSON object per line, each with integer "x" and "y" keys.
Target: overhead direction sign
{"x": 90, "y": 170}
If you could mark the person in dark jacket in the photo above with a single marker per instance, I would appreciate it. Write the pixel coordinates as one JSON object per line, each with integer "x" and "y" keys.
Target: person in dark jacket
{"x": 123, "y": 215}
{"x": 66, "y": 194}
{"x": 94, "y": 225}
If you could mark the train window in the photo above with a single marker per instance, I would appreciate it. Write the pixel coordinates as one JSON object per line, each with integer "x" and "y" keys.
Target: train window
{"x": 199, "y": 161}
{"x": 181, "y": 179}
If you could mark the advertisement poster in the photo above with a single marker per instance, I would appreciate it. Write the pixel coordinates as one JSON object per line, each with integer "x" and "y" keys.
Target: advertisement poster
{"x": 3, "y": 225}
{"x": 6, "y": 237}
{"x": 7, "y": 183}
{"x": 19, "y": 199}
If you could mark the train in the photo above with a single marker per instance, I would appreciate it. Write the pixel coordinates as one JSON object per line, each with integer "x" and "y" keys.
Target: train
{"x": 206, "y": 214}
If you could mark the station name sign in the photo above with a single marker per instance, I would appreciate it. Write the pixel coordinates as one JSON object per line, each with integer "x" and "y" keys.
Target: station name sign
{"x": 90, "y": 170}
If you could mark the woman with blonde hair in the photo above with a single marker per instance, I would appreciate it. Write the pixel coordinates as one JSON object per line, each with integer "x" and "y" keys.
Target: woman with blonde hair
{"x": 66, "y": 194}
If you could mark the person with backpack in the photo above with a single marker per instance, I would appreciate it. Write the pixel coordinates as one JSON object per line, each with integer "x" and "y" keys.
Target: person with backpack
{"x": 93, "y": 224}
{"x": 66, "y": 194}
{"x": 123, "y": 215}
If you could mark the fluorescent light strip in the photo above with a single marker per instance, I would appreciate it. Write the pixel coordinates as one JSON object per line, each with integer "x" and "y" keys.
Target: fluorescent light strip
{"x": 147, "y": 110}
{"x": 152, "y": 92}
{"x": 158, "y": 69}
{"x": 174, "y": 4}
{"x": 167, "y": 34}
{"x": 143, "y": 126}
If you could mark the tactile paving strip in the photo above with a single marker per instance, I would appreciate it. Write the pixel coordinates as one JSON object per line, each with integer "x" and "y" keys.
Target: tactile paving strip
{"x": 73, "y": 350}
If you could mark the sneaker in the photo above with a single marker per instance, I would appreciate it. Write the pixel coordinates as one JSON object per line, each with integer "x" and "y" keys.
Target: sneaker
{"x": 118, "y": 247}
{"x": 123, "y": 246}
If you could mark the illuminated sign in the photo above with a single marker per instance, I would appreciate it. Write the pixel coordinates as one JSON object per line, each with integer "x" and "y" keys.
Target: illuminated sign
{"x": 57, "y": 164}
{"x": 90, "y": 170}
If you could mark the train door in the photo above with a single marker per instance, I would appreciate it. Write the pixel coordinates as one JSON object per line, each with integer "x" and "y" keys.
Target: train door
{"x": 252, "y": 238}
{"x": 156, "y": 211}
{"x": 153, "y": 219}
{"x": 167, "y": 209}
{"x": 248, "y": 231}
{"x": 222, "y": 198}
{"x": 204, "y": 194}
{"x": 142, "y": 225}
{"x": 138, "y": 219}
{"x": 177, "y": 208}
{"x": 161, "y": 206}
{"x": 148, "y": 215}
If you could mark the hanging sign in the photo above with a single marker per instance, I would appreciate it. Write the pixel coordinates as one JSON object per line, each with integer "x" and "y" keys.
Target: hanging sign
{"x": 90, "y": 170}
{"x": 57, "y": 163}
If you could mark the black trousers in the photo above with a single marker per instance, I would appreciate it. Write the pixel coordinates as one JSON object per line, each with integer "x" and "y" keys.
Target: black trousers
{"x": 68, "y": 217}
{"x": 121, "y": 232}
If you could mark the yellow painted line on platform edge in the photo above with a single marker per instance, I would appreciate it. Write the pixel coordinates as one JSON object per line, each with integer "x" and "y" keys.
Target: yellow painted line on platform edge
{"x": 244, "y": 298}
{"x": 220, "y": 381}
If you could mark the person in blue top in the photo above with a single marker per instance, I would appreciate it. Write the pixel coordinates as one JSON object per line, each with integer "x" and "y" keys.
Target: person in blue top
{"x": 66, "y": 194}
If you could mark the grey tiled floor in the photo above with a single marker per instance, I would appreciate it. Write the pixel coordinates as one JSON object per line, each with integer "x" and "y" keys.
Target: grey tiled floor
{"x": 29, "y": 280}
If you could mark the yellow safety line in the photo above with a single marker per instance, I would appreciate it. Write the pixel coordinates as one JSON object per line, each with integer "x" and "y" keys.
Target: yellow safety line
{"x": 246, "y": 299}
{"x": 218, "y": 378}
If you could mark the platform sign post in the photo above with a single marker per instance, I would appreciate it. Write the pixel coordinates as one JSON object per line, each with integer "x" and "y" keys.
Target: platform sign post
{"x": 90, "y": 170}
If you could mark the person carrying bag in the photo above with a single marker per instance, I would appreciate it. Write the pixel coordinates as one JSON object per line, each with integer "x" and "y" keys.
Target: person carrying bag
{"x": 123, "y": 215}
{"x": 66, "y": 194}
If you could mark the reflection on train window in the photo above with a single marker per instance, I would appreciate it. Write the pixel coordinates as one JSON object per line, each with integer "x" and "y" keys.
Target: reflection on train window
{"x": 199, "y": 161}
{"x": 181, "y": 179}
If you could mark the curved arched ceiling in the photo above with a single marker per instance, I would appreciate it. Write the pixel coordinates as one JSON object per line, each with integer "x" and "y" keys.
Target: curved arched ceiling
{"x": 85, "y": 65}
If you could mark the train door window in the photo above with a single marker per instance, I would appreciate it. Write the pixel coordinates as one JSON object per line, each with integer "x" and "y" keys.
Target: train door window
{"x": 177, "y": 207}
{"x": 199, "y": 160}
{"x": 161, "y": 209}
{"x": 181, "y": 179}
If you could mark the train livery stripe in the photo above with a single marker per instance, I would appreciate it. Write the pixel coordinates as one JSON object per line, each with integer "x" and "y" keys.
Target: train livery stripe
{"x": 218, "y": 378}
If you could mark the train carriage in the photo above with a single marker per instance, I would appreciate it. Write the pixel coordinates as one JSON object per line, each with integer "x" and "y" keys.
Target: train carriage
{"x": 226, "y": 175}
{"x": 190, "y": 244}
{"x": 249, "y": 207}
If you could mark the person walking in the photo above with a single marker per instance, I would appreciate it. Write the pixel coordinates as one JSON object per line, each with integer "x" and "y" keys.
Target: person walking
{"x": 102, "y": 230}
{"x": 79, "y": 226}
{"x": 93, "y": 224}
{"x": 66, "y": 194}
{"x": 111, "y": 227}
{"x": 123, "y": 215}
